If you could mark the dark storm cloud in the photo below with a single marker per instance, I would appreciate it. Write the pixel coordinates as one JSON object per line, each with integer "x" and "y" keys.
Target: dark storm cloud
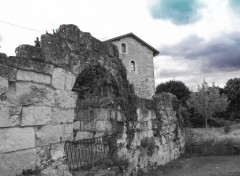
{"x": 222, "y": 53}
{"x": 169, "y": 72}
{"x": 179, "y": 12}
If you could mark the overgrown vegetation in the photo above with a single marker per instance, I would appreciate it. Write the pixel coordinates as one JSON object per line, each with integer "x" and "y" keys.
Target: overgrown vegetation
{"x": 149, "y": 145}
{"x": 94, "y": 82}
{"x": 207, "y": 101}
{"x": 207, "y": 116}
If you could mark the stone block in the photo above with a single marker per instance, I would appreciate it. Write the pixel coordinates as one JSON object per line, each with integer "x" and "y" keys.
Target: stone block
{"x": 57, "y": 151}
{"x": 76, "y": 125}
{"x": 66, "y": 99}
{"x": 13, "y": 139}
{"x": 150, "y": 125}
{"x": 103, "y": 114}
{"x": 6, "y": 118}
{"x": 58, "y": 78}
{"x": 150, "y": 133}
{"x": 36, "y": 115}
{"x": 27, "y": 64}
{"x": 52, "y": 134}
{"x": 60, "y": 115}
{"x": 14, "y": 109}
{"x": 68, "y": 132}
{"x": 23, "y": 75}
{"x": 103, "y": 126}
{"x": 3, "y": 85}
{"x": 28, "y": 93}
{"x": 83, "y": 135}
{"x": 13, "y": 163}
{"x": 55, "y": 50}
{"x": 7, "y": 72}
{"x": 70, "y": 80}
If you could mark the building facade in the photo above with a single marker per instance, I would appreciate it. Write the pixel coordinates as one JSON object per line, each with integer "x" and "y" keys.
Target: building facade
{"x": 137, "y": 56}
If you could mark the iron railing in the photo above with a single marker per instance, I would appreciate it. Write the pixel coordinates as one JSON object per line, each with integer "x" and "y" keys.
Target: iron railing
{"x": 86, "y": 152}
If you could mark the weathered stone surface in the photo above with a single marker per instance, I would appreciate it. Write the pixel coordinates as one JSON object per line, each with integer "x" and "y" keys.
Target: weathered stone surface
{"x": 58, "y": 168}
{"x": 49, "y": 134}
{"x": 76, "y": 125}
{"x": 60, "y": 115}
{"x": 34, "y": 115}
{"x": 15, "y": 109}
{"x": 52, "y": 134}
{"x": 99, "y": 46}
{"x": 33, "y": 77}
{"x": 29, "y": 51}
{"x": 58, "y": 78}
{"x": 43, "y": 156}
{"x": 3, "y": 85}
{"x": 14, "y": 163}
{"x": 27, "y": 64}
{"x": 62, "y": 79}
{"x": 69, "y": 32}
{"x": 57, "y": 151}
{"x": 55, "y": 50}
{"x": 13, "y": 139}
{"x": 85, "y": 39}
{"x": 68, "y": 132}
{"x": 70, "y": 81}
{"x": 28, "y": 93}
{"x": 103, "y": 114}
{"x": 7, "y": 72}
{"x": 83, "y": 135}
{"x": 66, "y": 99}
{"x": 103, "y": 126}
{"x": 6, "y": 118}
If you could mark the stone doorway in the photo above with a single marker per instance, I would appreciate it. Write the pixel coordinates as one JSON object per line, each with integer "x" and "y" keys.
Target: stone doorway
{"x": 95, "y": 110}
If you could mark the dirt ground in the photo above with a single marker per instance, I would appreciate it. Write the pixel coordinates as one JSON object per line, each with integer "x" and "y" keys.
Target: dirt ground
{"x": 201, "y": 166}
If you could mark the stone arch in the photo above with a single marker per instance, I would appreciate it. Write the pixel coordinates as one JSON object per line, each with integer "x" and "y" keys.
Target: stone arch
{"x": 97, "y": 91}
{"x": 95, "y": 77}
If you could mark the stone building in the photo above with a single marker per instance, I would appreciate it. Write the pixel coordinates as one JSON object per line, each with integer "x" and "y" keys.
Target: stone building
{"x": 137, "y": 56}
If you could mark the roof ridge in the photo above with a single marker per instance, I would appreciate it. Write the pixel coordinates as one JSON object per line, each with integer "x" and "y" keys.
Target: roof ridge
{"x": 155, "y": 51}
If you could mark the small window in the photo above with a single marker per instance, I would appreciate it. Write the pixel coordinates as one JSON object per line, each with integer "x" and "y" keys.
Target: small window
{"x": 123, "y": 48}
{"x": 132, "y": 66}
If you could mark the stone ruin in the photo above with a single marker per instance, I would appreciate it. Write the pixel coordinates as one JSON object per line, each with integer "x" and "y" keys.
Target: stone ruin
{"x": 47, "y": 97}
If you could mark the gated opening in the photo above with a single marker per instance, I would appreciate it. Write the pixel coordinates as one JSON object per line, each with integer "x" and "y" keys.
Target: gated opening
{"x": 86, "y": 152}
{"x": 95, "y": 113}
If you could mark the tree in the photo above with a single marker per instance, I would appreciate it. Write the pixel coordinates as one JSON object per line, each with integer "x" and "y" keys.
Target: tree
{"x": 177, "y": 88}
{"x": 232, "y": 90}
{"x": 207, "y": 101}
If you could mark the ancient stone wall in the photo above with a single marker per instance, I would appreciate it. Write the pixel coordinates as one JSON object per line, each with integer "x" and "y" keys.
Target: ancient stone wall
{"x": 155, "y": 144}
{"x": 38, "y": 107}
{"x": 143, "y": 76}
{"x": 36, "y": 98}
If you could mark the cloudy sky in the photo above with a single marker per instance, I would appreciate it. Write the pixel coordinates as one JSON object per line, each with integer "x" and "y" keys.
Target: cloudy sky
{"x": 198, "y": 39}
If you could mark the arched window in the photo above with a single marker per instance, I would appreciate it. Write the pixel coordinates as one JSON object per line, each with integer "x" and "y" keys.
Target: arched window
{"x": 123, "y": 48}
{"x": 132, "y": 66}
